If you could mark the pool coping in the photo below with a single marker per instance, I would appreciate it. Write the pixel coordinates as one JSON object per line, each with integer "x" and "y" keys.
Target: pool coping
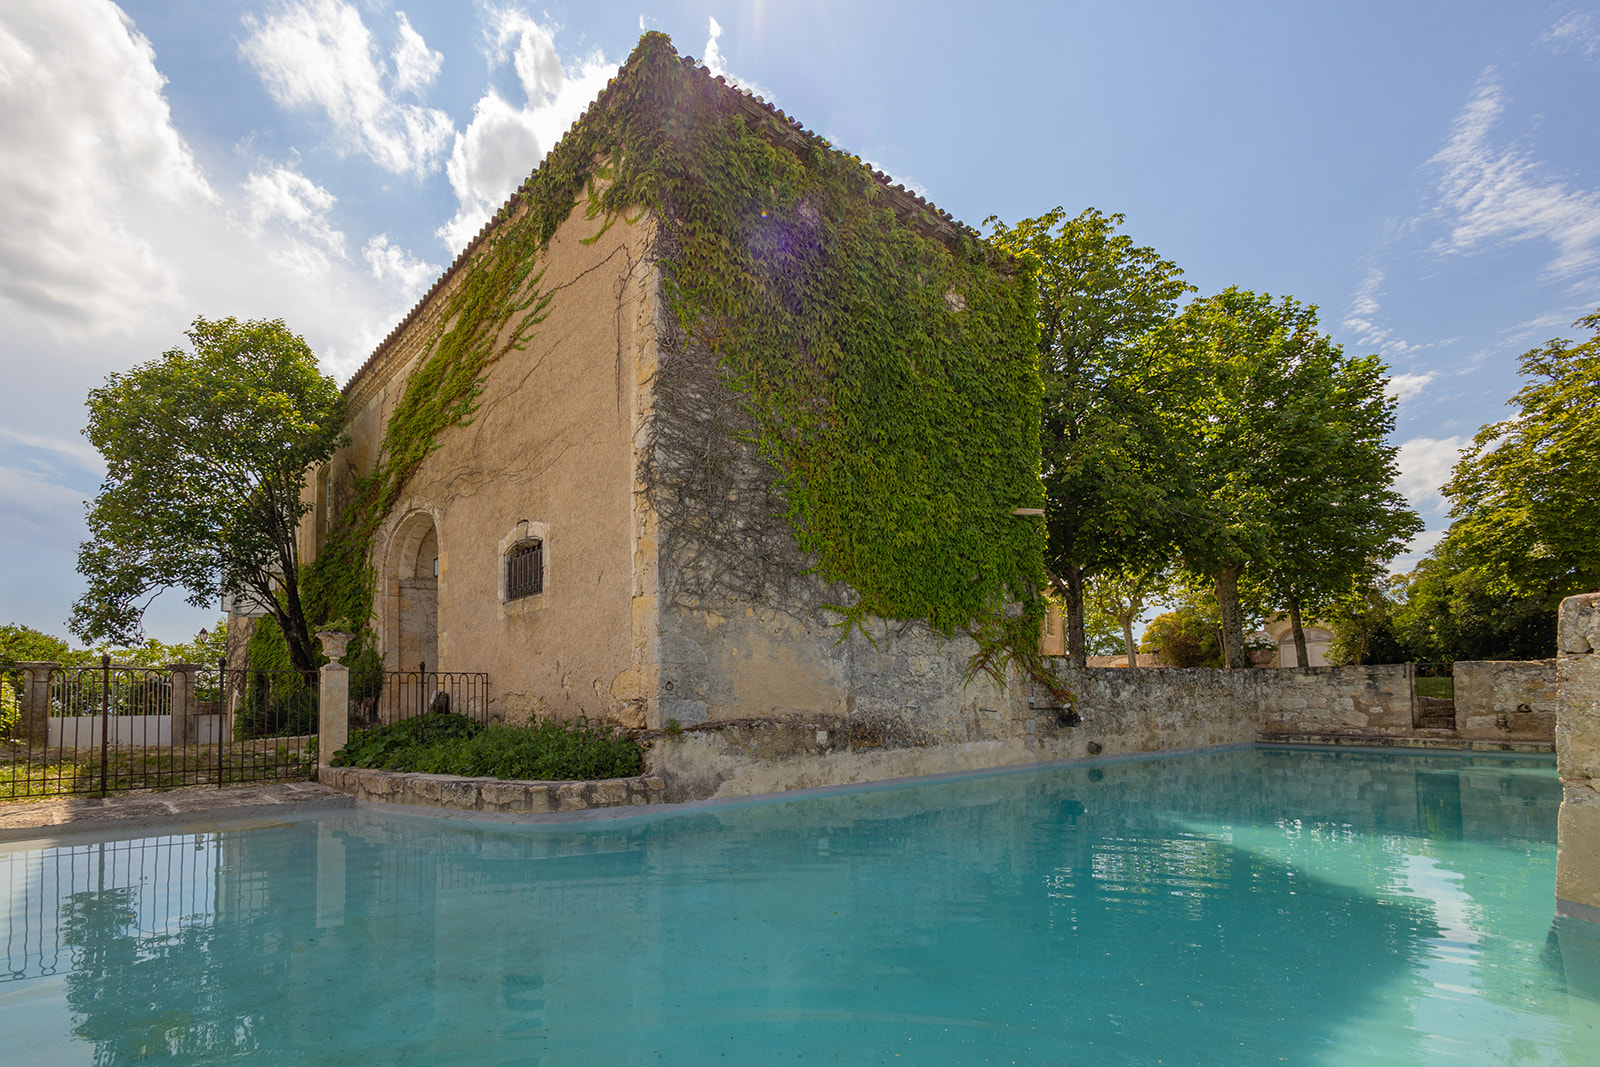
{"x": 189, "y": 807}
{"x": 491, "y": 796}
{"x": 202, "y": 808}
{"x": 1458, "y": 744}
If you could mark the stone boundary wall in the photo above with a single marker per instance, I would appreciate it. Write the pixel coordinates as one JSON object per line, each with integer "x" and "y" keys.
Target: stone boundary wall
{"x": 1114, "y": 711}
{"x": 490, "y": 794}
{"x": 1117, "y": 711}
{"x": 1506, "y": 701}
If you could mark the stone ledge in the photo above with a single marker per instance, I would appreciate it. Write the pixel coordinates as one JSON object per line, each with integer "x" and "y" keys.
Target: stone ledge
{"x": 174, "y": 810}
{"x": 1463, "y": 744}
{"x": 490, "y": 794}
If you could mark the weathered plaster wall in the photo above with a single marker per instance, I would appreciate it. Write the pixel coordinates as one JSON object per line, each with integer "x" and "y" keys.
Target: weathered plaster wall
{"x": 1506, "y": 700}
{"x": 1578, "y": 757}
{"x": 550, "y": 453}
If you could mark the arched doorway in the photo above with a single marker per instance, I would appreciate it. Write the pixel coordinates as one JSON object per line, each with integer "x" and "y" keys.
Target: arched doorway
{"x": 414, "y": 579}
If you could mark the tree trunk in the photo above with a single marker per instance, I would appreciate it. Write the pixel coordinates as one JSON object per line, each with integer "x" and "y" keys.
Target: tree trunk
{"x": 1077, "y": 647}
{"x": 1301, "y": 657}
{"x": 1127, "y": 640}
{"x": 1233, "y": 654}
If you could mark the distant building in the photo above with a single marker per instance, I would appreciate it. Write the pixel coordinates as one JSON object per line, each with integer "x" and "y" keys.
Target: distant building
{"x": 1279, "y": 631}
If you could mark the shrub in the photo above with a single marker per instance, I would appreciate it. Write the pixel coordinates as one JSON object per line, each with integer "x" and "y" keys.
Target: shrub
{"x": 287, "y": 708}
{"x": 9, "y": 708}
{"x": 447, "y": 743}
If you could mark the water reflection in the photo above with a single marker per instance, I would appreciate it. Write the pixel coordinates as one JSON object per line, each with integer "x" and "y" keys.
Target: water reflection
{"x": 1253, "y": 905}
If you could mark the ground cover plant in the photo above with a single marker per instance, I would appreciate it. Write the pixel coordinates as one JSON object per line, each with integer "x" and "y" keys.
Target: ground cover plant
{"x": 447, "y": 743}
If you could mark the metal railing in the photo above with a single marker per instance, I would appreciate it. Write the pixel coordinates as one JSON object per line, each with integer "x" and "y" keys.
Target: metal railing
{"x": 1433, "y": 696}
{"x": 396, "y": 695}
{"x": 107, "y": 728}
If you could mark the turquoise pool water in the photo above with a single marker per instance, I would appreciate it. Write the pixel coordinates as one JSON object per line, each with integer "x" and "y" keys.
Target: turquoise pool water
{"x": 1238, "y": 907}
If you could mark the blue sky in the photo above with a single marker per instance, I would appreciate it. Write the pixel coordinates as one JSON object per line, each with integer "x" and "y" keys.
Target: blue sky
{"x": 1428, "y": 174}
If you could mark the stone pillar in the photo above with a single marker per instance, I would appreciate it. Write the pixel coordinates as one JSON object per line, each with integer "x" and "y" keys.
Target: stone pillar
{"x": 1578, "y": 757}
{"x": 34, "y": 725}
{"x": 184, "y": 731}
{"x": 333, "y": 704}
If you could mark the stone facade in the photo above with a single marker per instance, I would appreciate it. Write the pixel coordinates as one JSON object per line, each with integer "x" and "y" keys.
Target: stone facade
{"x": 672, "y": 587}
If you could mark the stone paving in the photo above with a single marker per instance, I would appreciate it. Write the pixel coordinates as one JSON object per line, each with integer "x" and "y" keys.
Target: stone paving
{"x": 174, "y": 807}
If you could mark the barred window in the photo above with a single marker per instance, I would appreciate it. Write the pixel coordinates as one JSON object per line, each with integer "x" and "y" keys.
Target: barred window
{"x": 525, "y": 569}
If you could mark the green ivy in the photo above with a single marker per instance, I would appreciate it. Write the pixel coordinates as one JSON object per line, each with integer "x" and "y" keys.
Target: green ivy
{"x": 892, "y": 376}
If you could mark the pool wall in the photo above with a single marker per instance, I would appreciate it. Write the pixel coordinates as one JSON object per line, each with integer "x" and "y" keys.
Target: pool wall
{"x": 1115, "y": 710}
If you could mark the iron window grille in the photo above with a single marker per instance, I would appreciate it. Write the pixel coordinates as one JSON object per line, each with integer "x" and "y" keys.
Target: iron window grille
{"x": 525, "y": 569}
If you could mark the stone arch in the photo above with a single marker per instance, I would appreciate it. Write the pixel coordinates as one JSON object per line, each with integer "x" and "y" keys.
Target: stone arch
{"x": 411, "y": 586}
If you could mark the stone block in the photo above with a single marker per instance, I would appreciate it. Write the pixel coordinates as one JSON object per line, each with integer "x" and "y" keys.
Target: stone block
{"x": 423, "y": 789}
{"x": 1578, "y": 850}
{"x": 506, "y": 797}
{"x": 1578, "y": 725}
{"x": 1578, "y": 625}
{"x": 460, "y": 793}
{"x": 609, "y": 793}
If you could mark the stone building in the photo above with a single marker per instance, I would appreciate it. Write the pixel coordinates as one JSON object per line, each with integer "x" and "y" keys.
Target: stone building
{"x": 601, "y": 522}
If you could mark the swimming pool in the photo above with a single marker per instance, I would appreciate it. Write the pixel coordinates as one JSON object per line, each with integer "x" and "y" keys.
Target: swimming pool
{"x": 1245, "y": 906}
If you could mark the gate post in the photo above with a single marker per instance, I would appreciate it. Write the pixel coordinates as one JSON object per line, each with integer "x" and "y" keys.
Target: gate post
{"x": 183, "y": 710}
{"x": 35, "y": 725}
{"x": 1578, "y": 757}
{"x": 333, "y": 702}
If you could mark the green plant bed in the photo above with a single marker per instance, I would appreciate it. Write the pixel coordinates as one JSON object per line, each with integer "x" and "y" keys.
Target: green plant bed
{"x": 446, "y": 743}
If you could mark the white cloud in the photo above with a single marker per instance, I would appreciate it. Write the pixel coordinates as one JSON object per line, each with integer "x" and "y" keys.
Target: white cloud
{"x": 1408, "y": 386}
{"x": 299, "y": 203}
{"x": 392, "y": 263}
{"x": 1578, "y": 32}
{"x": 86, "y": 142}
{"x": 38, "y": 512}
{"x": 717, "y": 65}
{"x": 1362, "y": 319}
{"x": 319, "y": 54}
{"x": 505, "y": 141}
{"x": 76, "y": 451}
{"x": 1425, "y": 466}
{"x": 1493, "y": 196}
{"x": 415, "y": 64}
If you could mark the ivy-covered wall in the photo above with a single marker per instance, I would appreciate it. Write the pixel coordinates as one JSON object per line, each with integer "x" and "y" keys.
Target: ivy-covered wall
{"x": 847, "y": 405}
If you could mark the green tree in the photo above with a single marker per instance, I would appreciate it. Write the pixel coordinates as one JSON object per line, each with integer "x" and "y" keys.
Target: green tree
{"x": 1115, "y": 599}
{"x": 1339, "y": 518}
{"x": 1103, "y": 434}
{"x": 1185, "y": 637}
{"x": 206, "y": 455}
{"x": 1523, "y": 499}
{"x": 1364, "y": 623}
{"x": 22, "y": 644}
{"x": 1291, "y": 468}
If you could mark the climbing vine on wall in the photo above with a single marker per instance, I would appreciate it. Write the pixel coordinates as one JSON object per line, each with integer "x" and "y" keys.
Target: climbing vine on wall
{"x": 889, "y": 376}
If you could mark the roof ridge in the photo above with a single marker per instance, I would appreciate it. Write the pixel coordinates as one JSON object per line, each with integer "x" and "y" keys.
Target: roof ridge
{"x": 908, "y": 206}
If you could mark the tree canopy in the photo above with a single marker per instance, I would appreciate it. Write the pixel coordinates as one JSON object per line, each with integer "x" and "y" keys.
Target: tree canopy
{"x": 1523, "y": 499}
{"x": 1108, "y": 490}
{"x": 206, "y": 455}
{"x": 1286, "y": 442}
